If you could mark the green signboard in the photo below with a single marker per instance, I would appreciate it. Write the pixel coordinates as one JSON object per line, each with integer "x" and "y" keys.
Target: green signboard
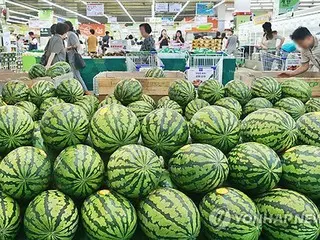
{"x": 46, "y": 15}
{"x": 288, "y": 5}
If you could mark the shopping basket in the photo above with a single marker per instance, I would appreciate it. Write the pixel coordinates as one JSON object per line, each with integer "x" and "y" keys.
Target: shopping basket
{"x": 140, "y": 61}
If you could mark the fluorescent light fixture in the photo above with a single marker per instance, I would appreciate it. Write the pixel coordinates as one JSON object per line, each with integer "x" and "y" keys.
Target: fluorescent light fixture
{"x": 182, "y": 9}
{"x": 85, "y": 3}
{"x": 220, "y": 3}
{"x": 15, "y": 21}
{"x": 23, "y": 14}
{"x": 153, "y": 11}
{"x": 125, "y": 10}
{"x": 18, "y": 18}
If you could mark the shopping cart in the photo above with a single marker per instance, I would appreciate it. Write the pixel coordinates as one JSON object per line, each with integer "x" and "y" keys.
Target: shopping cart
{"x": 279, "y": 60}
{"x": 240, "y": 57}
{"x": 141, "y": 61}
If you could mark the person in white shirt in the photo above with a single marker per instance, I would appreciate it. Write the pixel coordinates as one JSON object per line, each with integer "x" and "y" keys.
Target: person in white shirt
{"x": 33, "y": 42}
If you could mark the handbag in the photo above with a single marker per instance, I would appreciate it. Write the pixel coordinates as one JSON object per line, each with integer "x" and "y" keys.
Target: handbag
{"x": 79, "y": 63}
{"x": 44, "y": 57}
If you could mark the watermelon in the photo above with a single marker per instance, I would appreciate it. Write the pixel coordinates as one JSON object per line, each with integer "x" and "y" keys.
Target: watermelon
{"x": 2, "y": 103}
{"x": 114, "y": 126}
{"x": 10, "y": 217}
{"x": 254, "y": 168}
{"x": 70, "y": 90}
{"x": 271, "y": 127}
{"x": 16, "y": 127}
{"x": 48, "y": 103}
{"x": 51, "y": 215}
{"x": 109, "y": 100}
{"x": 78, "y": 171}
{"x": 288, "y": 215}
{"x": 25, "y": 172}
{"x": 162, "y": 100}
{"x": 108, "y": 215}
{"x": 313, "y": 105}
{"x": 267, "y": 87}
{"x": 296, "y": 88}
{"x": 165, "y": 180}
{"x": 231, "y": 104}
{"x": 87, "y": 106}
{"x": 169, "y": 214}
{"x": 141, "y": 109}
{"x": 155, "y": 73}
{"x": 92, "y": 100}
{"x": 216, "y": 126}
{"x": 198, "y": 168}
{"x": 239, "y": 91}
{"x": 211, "y": 91}
{"x": 227, "y": 213}
{"x": 164, "y": 131}
{"x": 66, "y": 66}
{"x": 293, "y": 106}
{"x": 64, "y": 125}
{"x": 55, "y": 71}
{"x": 309, "y": 129}
{"x": 256, "y": 104}
{"x": 182, "y": 92}
{"x": 42, "y": 90}
{"x": 36, "y": 71}
{"x": 15, "y": 91}
{"x": 37, "y": 139}
{"x": 170, "y": 104}
{"x": 148, "y": 99}
{"x": 194, "y": 106}
{"x": 128, "y": 91}
{"x": 134, "y": 171}
{"x": 30, "y": 108}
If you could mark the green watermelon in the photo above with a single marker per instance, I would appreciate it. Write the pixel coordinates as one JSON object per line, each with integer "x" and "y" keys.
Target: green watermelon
{"x": 162, "y": 100}
{"x": 296, "y": 88}
{"x": 51, "y": 215}
{"x": 267, "y": 87}
{"x": 70, "y": 90}
{"x": 169, "y": 214}
{"x": 288, "y": 215}
{"x": 66, "y": 66}
{"x": 108, "y": 215}
{"x": 42, "y": 90}
{"x": 148, "y": 99}
{"x": 164, "y": 131}
{"x": 10, "y": 217}
{"x": 216, "y": 126}
{"x": 109, "y": 100}
{"x": 271, "y": 127}
{"x": 239, "y": 91}
{"x": 155, "y": 73}
{"x": 256, "y": 104}
{"x": 165, "y": 180}
{"x": 2, "y": 103}
{"x": 194, "y": 106}
{"x": 64, "y": 125}
{"x": 134, "y": 171}
{"x": 170, "y": 104}
{"x": 182, "y": 92}
{"x": 141, "y": 109}
{"x": 36, "y": 71}
{"x": 211, "y": 91}
{"x": 114, "y": 126}
{"x": 309, "y": 129}
{"x": 313, "y": 105}
{"x": 254, "y": 168}
{"x": 30, "y": 108}
{"x": 87, "y": 106}
{"x": 92, "y": 100}
{"x": 293, "y": 106}
{"x": 198, "y": 168}
{"x": 48, "y": 103}
{"x": 231, "y": 104}
{"x": 16, "y": 127}
{"x": 25, "y": 172}
{"x": 128, "y": 91}
{"x": 37, "y": 139}
{"x": 78, "y": 171}
{"x": 55, "y": 71}
{"x": 230, "y": 214}
{"x": 15, "y": 91}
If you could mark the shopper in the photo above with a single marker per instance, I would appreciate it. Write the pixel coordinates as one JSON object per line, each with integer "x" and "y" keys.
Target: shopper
{"x": 92, "y": 42}
{"x": 148, "y": 43}
{"x": 224, "y": 41}
{"x": 106, "y": 41}
{"x": 178, "y": 38}
{"x": 232, "y": 44}
{"x": 33, "y": 42}
{"x": 164, "y": 39}
{"x": 131, "y": 39}
{"x": 53, "y": 29}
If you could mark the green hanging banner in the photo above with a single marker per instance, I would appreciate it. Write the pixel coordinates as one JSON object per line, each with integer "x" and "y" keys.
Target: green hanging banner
{"x": 288, "y": 6}
{"x": 46, "y": 15}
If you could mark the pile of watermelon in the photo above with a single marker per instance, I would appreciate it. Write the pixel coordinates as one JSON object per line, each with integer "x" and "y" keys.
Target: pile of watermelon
{"x": 217, "y": 162}
{"x": 56, "y": 70}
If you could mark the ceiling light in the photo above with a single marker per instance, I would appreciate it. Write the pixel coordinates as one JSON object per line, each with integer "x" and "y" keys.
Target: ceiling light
{"x": 19, "y": 18}
{"x": 220, "y": 3}
{"x": 125, "y": 10}
{"x": 15, "y": 21}
{"x": 85, "y": 3}
{"x": 181, "y": 10}
{"x": 23, "y": 14}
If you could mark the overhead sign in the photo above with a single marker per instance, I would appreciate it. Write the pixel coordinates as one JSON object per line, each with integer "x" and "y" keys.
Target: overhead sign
{"x": 167, "y": 21}
{"x": 100, "y": 29}
{"x": 175, "y": 7}
{"x": 242, "y": 6}
{"x": 257, "y": 20}
{"x": 288, "y": 6}
{"x": 46, "y": 15}
{"x": 162, "y": 7}
{"x": 37, "y": 23}
{"x": 153, "y": 20}
{"x": 95, "y": 9}
{"x": 112, "y": 19}
{"x": 205, "y": 9}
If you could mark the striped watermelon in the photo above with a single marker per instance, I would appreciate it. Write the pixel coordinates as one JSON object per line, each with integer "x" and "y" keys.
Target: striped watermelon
{"x": 164, "y": 131}
{"x": 170, "y": 104}
{"x": 114, "y": 126}
{"x": 293, "y": 106}
{"x": 182, "y": 92}
{"x": 55, "y": 71}
{"x": 70, "y": 90}
{"x": 216, "y": 126}
{"x": 37, "y": 139}
{"x": 128, "y": 91}
{"x": 87, "y": 106}
{"x": 256, "y": 104}
{"x": 198, "y": 168}
{"x": 296, "y": 88}
{"x": 30, "y": 108}
{"x": 231, "y": 104}
{"x": 169, "y": 214}
{"x": 211, "y": 91}
{"x": 108, "y": 215}
{"x": 16, "y": 127}
{"x": 134, "y": 171}
{"x": 51, "y": 215}
{"x": 272, "y": 127}
{"x": 194, "y": 106}
{"x": 15, "y": 91}
{"x": 313, "y": 105}
{"x": 40, "y": 91}
{"x": 148, "y": 99}
{"x": 48, "y": 103}
{"x": 230, "y": 214}
{"x": 36, "y": 71}
{"x": 162, "y": 100}
{"x": 267, "y": 87}
{"x": 78, "y": 171}
{"x": 309, "y": 129}
{"x": 165, "y": 180}
{"x": 288, "y": 215}
{"x": 141, "y": 109}
{"x": 66, "y": 66}
{"x": 254, "y": 168}
{"x": 25, "y": 172}
{"x": 2, "y": 103}
{"x": 300, "y": 173}
{"x": 92, "y": 100}
{"x": 239, "y": 91}
{"x": 155, "y": 73}
{"x": 64, "y": 125}
{"x": 111, "y": 99}
{"x": 10, "y": 217}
